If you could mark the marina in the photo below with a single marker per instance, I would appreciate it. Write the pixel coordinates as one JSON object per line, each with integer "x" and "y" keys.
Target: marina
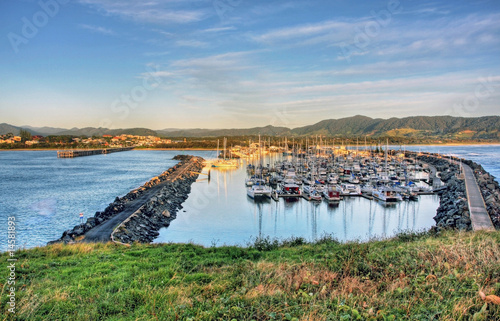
{"x": 334, "y": 172}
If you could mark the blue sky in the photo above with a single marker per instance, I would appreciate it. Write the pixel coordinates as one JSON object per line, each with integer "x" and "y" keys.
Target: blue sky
{"x": 242, "y": 63}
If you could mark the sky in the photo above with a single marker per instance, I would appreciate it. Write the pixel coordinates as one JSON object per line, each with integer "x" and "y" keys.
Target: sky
{"x": 241, "y": 63}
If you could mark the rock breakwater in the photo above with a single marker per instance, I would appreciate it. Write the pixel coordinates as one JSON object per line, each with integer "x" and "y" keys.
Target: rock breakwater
{"x": 162, "y": 194}
{"x": 489, "y": 189}
{"x": 453, "y": 210}
{"x": 144, "y": 224}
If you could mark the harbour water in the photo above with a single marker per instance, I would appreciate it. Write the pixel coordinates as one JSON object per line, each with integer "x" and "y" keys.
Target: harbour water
{"x": 46, "y": 194}
{"x": 219, "y": 212}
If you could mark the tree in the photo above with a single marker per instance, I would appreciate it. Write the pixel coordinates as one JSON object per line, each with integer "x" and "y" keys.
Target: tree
{"x": 25, "y": 135}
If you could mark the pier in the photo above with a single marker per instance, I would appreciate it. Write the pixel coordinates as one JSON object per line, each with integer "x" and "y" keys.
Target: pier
{"x": 478, "y": 214}
{"x": 89, "y": 152}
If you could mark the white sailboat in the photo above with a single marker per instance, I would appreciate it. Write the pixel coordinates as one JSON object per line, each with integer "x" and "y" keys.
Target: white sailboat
{"x": 387, "y": 194}
{"x": 258, "y": 189}
{"x": 349, "y": 189}
{"x": 224, "y": 163}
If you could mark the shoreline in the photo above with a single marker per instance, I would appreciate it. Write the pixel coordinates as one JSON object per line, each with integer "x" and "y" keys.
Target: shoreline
{"x": 55, "y": 149}
{"x": 213, "y": 149}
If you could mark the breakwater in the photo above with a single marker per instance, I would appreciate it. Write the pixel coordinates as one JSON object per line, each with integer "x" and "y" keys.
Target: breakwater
{"x": 90, "y": 152}
{"x": 490, "y": 191}
{"x": 454, "y": 211}
{"x": 162, "y": 195}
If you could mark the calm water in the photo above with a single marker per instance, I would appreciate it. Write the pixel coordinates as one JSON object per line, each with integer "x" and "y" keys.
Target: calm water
{"x": 45, "y": 194}
{"x": 219, "y": 212}
{"x": 486, "y": 155}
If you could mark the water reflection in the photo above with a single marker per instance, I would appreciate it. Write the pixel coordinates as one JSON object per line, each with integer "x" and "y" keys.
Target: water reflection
{"x": 232, "y": 218}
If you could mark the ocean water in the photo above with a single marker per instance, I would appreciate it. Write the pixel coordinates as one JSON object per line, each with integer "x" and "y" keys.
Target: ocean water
{"x": 45, "y": 195}
{"x": 486, "y": 155}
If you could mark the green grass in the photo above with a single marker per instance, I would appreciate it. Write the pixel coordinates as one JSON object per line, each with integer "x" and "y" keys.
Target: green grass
{"x": 411, "y": 277}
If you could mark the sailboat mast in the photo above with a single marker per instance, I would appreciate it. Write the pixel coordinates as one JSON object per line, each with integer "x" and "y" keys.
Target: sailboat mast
{"x": 386, "y": 148}
{"x": 225, "y": 142}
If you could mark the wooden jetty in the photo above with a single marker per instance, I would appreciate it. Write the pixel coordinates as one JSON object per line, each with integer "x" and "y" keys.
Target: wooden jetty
{"x": 89, "y": 152}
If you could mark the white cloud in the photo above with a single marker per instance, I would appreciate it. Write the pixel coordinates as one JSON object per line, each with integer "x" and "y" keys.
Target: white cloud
{"x": 157, "y": 74}
{"x": 307, "y": 30}
{"x": 146, "y": 12}
{"x": 420, "y": 36}
{"x": 97, "y": 29}
{"x": 191, "y": 43}
{"x": 228, "y": 61}
{"x": 221, "y": 29}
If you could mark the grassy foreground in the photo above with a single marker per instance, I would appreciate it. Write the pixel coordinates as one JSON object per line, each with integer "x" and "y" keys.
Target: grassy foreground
{"x": 411, "y": 277}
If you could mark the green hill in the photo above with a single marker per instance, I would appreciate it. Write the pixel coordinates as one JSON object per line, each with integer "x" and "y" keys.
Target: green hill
{"x": 91, "y": 131}
{"x": 438, "y": 126}
{"x": 265, "y": 131}
{"x": 6, "y": 129}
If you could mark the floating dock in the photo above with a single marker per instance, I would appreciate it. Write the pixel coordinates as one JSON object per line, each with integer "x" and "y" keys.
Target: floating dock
{"x": 89, "y": 152}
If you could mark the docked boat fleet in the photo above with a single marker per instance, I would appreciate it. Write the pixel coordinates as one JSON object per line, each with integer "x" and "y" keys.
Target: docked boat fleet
{"x": 338, "y": 174}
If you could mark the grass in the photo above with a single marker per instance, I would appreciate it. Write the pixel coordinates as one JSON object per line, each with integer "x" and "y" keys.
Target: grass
{"x": 411, "y": 277}
{"x": 402, "y": 132}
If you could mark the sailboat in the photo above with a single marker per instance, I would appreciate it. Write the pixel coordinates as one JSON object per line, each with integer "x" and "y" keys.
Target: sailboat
{"x": 331, "y": 194}
{"x": 224, "y": 163}
{"x": 286, "y": 152}
{"x": 387, "y": 194}
{"x": 258, "y": 189}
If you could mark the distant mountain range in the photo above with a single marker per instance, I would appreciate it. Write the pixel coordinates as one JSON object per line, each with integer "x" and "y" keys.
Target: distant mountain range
{"x": 487, "y": 127}
{"x": 418, "y": 126}
{"x": 87, "y": 131}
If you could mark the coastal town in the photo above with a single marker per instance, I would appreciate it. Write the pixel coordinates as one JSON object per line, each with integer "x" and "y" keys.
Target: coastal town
{"x": 10, "y": 141}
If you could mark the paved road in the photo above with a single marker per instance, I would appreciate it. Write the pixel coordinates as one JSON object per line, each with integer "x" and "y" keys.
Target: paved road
{"x": 478, "y": 214}
{"x": 102, "y": 232}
